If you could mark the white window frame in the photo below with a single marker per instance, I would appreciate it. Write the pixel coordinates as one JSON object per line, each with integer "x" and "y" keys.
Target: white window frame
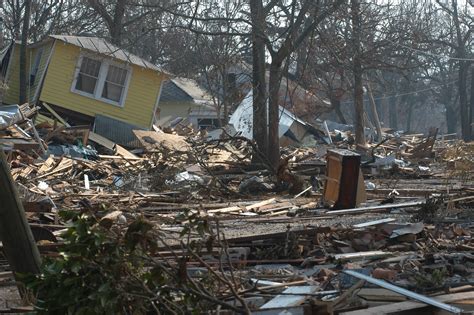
{"x": 99, "y": 87}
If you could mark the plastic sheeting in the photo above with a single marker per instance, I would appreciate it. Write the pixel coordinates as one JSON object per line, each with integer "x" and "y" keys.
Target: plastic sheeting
{"x": 9, "y": 115}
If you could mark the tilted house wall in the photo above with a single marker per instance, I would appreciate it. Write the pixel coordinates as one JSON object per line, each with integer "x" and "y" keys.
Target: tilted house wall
{"x": 58, "y": 67}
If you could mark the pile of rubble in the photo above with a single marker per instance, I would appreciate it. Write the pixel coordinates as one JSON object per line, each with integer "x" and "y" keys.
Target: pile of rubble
{"x": 406, "y": 235}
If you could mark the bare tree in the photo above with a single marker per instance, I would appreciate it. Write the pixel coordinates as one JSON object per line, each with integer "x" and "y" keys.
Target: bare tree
{"x": 24, "y": 43}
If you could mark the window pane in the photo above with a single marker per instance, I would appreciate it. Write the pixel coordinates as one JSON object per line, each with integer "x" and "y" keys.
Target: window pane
{"x": 90, "y": 66}
{"x": 116, "y": 75}
{"x": 112, "y": 91}
{"x": 85, "y": 83}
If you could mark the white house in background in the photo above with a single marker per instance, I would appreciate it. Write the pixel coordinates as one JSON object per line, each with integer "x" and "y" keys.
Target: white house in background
{"x": 291, "y": 129}
{"x": 184, "y": 98}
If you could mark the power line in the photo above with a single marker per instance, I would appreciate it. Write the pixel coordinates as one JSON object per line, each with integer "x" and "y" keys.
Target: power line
{"x": 428, "y": 53}
{"x": 407, "y": 93}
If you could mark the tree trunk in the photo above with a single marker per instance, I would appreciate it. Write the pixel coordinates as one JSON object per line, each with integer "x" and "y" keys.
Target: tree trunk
{"x": 357, "y": 69}
{"x": 274, "y": 114}
{"x": 463, "y": 105}
{"x": 393, "y": 113}
{"x": 471, "y": 112}
{"x": 409, "y": 114}
{"x": 260, "y": 124}
{"x": 225, "y": 96}
{"x": 23, "y": 64}
{"x": 116, "y": 29}
{"x": 463, "y": 69}
{"x": 375, "y": 114}
{"x": 336, "y": 104}
{"x": 115, "y": 21}
{"x": 451, "y": 119}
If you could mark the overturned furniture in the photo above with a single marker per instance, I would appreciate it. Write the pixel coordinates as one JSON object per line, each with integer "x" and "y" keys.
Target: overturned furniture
{"x": 344, "y": 187}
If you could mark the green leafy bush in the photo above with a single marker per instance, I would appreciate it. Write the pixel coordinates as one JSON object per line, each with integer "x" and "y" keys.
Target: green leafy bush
{"x": 109, "y": 270}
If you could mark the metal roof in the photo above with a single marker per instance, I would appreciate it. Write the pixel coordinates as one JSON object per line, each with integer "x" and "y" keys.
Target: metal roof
{"x": 183, "y": 89}
{"x": 101, "y": 46}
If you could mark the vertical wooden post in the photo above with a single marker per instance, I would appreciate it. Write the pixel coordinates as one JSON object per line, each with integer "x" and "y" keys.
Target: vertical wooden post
{"x": 19, "y": 245}
{"x": 374, "y": 112}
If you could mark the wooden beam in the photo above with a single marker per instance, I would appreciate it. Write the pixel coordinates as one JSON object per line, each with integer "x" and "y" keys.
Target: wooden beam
{"x": 18, "y": 242}
{"x": 376, "y": 208}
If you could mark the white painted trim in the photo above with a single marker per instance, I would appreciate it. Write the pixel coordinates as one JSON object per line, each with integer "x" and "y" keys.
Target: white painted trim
{"x": 43, "y": 75}
{"x": 162, "y": 77}
{"x": 99, "y": 87}
{"x": 101, "y": 83}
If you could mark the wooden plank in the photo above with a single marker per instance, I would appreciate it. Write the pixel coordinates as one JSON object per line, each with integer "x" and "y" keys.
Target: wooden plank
{"x": 56, "y": 115}
{"x": 380, "y": 294}
{"x": 259, "y": 204}
{"x": 118, "y": 157}
{"x": 102, "y": 141}
{"x": 372, "y": 223}
{"x": 379, "y": 207}
{"x": 225, "y": 210}
{"x": 124, "y": 152}
{"x": 290, "y": 300}
{"x": 410, "y": 305}
{"x": 362, "y": 255}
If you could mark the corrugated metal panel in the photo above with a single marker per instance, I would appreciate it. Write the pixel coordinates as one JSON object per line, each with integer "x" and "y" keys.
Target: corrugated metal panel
{"x": 117, "y": 131}
{"x": 101, "y": 46}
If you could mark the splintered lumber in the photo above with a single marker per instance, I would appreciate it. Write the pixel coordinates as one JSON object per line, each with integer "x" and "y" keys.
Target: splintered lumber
{"x": 257, "y": 205}
{"x": 153, "y": 141}
{"x": 63, "y": 165}
{"x": 375, "y": 208}
{"x": 47, "y": 165}
{"x": 407, "y": 293}
{"x": 18, "y": 242}
{"x": 303, "y": 192}
{"x": 290, "y": 300}
{"x": 225, "y": 210}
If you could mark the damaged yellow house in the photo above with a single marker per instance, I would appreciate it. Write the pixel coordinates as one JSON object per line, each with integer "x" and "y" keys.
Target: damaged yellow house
{"x": 86, "y": 80}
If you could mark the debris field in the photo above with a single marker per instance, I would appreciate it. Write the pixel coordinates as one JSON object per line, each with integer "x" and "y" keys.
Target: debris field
{"x": 308, "y": 238}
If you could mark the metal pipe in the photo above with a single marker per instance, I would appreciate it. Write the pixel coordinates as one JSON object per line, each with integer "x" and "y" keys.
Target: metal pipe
{"x": 405, "y": 292}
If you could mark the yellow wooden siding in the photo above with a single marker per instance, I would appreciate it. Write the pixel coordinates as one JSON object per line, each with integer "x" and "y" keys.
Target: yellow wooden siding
{"x": 42, "y": 65}
{"x": 139, "y": 103}
{"x": 13, "y": 79}
{"x": 12, "y": 94}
